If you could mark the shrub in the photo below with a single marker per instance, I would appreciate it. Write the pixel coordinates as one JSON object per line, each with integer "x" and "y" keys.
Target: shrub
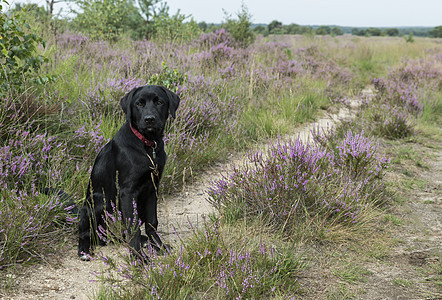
{"x": 29, "y": 222}
{"x": 171, "y": 79}
{"x": 109, "y": 19}
{"x": 174, "y": 28}
{"x": 20, "y": 62}
{"x": 240, "y": 28}
{"x": 295, "y": 183}
{"x": 208, "y": 264}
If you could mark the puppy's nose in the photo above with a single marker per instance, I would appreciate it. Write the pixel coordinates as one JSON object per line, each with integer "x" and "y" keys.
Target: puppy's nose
{"x": 149, "y": 119}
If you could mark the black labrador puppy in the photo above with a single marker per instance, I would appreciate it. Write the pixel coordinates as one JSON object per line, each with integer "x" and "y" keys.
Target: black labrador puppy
{"x": 128, "y": 169}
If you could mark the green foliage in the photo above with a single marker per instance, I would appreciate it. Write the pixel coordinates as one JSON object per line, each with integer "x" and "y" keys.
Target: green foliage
{"x": 240, "y": 28}
{"x": 292, "y": 28}
{"x": 261, "y": 30}
{"x": 203, "y": 26}
{"x": 336, "y": 31}
{"x": 109, "y": 19}
{"x": 409, "y": 38}
{"x": 392, "y": 31}
{"x": 275, "y": 27}
{"x": 372, "y": 31}
{"x": 18, "y": 54}
{"x": 170, "y": 79}
{"x": 34, "y": 14}
{"x": 149, "y": 9}
{"x": 323, "y": 30}
{"x": 436, "y": 32}
{"x": 174, "y": 28}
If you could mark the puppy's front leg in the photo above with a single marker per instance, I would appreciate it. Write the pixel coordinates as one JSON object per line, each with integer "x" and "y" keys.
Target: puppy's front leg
{"x": 131, "y": 223}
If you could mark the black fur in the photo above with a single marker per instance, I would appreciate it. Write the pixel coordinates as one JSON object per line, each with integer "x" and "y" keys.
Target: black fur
{"x": 126, "y": 171}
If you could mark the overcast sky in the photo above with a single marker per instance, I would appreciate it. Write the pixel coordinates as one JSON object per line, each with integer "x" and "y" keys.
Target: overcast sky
{"x": 362, "y": 13}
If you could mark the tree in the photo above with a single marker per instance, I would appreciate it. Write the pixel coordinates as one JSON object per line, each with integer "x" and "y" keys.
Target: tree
{"x": 292, "y": 28}
{"x": 436, "y": 32}
{"x": 203, "y": 26}
{"x": 50, "y": 4}
{"x": 336, "y": 31}
{"x": 261, "y": 30}
{"x": 275, "y": 27}
{"x": 306, "y": 30}
{"x": 372, "y": 31}
{"x": 409, "y": 38}
{"x": 240, "y": 28}
{"x": 392, "y": 31}
{"x": 20, "y": 61}
{"x": 108, "y": 19}
{"x": 323, "y": 30}
{"x": 174, "y": 27}
{"x": 150, "y": 9}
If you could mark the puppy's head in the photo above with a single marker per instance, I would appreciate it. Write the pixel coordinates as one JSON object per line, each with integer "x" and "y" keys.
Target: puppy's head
{"x": 147, "y": 108}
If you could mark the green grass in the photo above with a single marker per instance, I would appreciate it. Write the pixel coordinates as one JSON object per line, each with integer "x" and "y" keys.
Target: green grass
{"x": 403, "y": 282}
{"x": 351, "y": 273}
{"x": 393, "y": 219}
{"x": 340, "y": 293}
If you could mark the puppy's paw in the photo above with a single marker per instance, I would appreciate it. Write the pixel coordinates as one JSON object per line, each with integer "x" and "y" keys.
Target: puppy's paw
{"x": 85, "y": 257}
{"x": 144, "y": 241}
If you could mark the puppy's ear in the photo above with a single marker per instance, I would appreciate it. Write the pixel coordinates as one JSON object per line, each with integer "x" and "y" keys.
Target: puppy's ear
{"x": 174, "y": 101}
{"x": 126, "y": 103}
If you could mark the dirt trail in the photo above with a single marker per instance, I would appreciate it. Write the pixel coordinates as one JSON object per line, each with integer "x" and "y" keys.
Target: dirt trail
{"x": 70, "y": 278}
{"x": 191, "y": 206}
{"x": 407, "y": 272}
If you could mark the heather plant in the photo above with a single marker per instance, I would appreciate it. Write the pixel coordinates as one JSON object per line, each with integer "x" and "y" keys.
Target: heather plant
{"x": 293, "y": 184}
{"x": 402, "y": 97}
{"x": 211, "y": 39}
{"x": 359, "y": 157}
{"x": 208, "y": 265}
{"x": 30, "y": 222}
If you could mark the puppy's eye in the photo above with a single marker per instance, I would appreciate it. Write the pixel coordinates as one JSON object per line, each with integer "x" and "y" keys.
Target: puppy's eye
{"x": 139, "y": 103}
{"x": 159, "y": 102}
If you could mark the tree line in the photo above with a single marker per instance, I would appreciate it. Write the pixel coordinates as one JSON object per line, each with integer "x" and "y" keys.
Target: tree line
{"x": 145, "y": 19}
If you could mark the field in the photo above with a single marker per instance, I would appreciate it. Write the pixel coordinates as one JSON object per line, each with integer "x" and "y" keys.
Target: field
{"x": 352, "y": 213}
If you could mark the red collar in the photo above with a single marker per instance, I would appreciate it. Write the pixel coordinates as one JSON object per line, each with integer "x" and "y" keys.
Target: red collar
{"x": 146, "y": 142}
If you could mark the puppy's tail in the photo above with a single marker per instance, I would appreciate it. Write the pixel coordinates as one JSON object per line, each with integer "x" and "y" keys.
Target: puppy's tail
{"x": 66, "y": 199}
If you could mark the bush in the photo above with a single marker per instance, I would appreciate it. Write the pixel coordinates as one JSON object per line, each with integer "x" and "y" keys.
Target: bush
{"x": 210, "y": 266}
{"x": 297, "y": 183}
{"x": 20, "y": 62}
{"x": 240, "y": 28}
{"x": 30, "y": 222}
{"x": 109, "y": 19}
{"x": 174, "y": 28}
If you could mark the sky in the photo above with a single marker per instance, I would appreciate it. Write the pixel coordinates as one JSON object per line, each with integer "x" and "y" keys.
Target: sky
{"x": 355, "y": 13}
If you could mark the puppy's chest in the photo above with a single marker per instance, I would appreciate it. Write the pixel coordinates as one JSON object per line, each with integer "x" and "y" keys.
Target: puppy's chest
{"x": 152, "y": 160}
